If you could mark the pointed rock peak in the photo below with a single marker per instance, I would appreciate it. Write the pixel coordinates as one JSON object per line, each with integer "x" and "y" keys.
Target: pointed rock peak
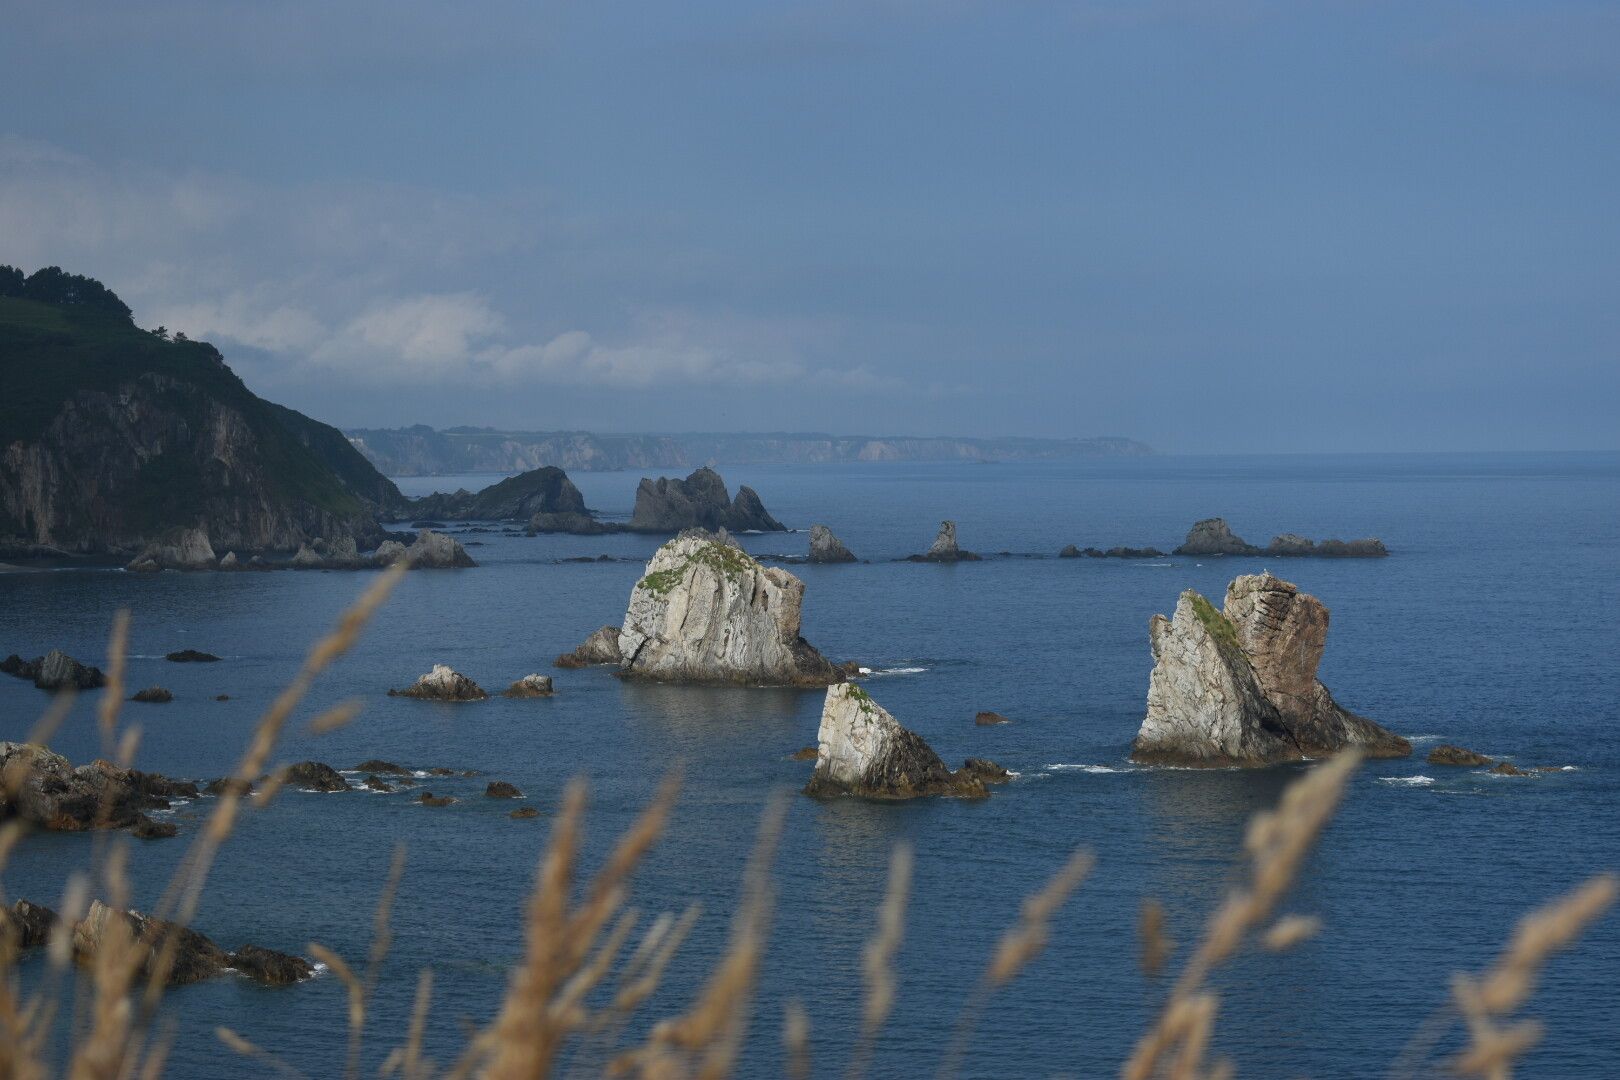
{"x": 944, "y": 548}
{"x": 827, "y": 548}
{"x": 1213, "y": 536}
{"x": 862, "y": 750}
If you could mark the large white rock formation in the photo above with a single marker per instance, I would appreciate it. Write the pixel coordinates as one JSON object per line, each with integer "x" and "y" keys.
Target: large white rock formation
{"x": 862, "y": 750}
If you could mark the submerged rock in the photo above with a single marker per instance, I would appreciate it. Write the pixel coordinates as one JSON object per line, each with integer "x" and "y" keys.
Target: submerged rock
{"x": 805, "y": 753}
{"x": 989, "y": 719}
{"x": 864, "y": 751}
{"x": 191, "y": 656}
{"x": 1503, "y": 768}
{"x": 1239, "y": 686}
{"x": 523, "y": 812}
{"x": 530, "y": 686}
{"x": 944, "y": 548}
{"x": 147, "y": 829}
{"x": 602, "y": 647}
{"x": 1446, "y": 754}
{"x": 827, "y": 548}
{"x": 442, "y": 684}
{"x": 153, "y": 695}
{"x": 698, "y": 502}
{"x": 427, "y": 798}
{"x": 377, "y": 765}
{"x": 706, "y": 612}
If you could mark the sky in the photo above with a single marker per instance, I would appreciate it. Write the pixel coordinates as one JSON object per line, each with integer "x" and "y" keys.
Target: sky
{"x": 1221, "y": 226}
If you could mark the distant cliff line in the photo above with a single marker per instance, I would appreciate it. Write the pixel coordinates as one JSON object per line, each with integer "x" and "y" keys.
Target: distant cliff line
{"x": 424, "y": 451}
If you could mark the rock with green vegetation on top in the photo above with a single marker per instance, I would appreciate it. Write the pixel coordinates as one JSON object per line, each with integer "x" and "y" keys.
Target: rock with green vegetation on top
{"x": 706, "y": 612}
{"x": 1238, "y": 686}
{"x": 863, "y": 750}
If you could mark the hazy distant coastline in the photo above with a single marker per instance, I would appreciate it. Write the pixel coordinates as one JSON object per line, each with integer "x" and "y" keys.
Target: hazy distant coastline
{"x": 424, "y": 451}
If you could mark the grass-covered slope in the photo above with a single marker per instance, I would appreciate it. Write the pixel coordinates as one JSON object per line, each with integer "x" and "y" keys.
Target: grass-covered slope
{"x": 111, "y": 435}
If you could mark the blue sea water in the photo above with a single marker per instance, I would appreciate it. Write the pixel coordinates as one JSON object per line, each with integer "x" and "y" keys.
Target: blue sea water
{"x": 1493, "y": 625}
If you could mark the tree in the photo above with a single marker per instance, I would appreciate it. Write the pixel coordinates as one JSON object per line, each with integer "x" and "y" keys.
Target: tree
{"x": 11, "y": 281}
{"x": 53, "y": 285}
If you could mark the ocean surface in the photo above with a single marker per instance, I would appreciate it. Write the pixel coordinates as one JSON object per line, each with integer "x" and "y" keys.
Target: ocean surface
{"x": 1493, "y": 624}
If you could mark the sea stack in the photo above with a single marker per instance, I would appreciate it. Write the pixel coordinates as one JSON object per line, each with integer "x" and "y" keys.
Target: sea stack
{"x": 944, "y": 548}
{"x": 827, "y": 548}
{"x": 1239, "y": 686}
{"x": 1213, "y": 536}
{"x": 706, "y": 612}
{"x": 862, "y": 750}
{"x": 698, "y": 502}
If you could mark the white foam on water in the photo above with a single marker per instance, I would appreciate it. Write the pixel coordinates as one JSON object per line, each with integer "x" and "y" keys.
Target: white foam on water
{"x": 1064, "y": 767}
{"x": 1422, "y": 738}
{"x": 893, "y": 671}
{"x": 1408, "y": 781}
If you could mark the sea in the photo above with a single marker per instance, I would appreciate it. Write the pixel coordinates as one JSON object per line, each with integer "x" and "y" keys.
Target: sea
{"x": 1494, "y": 624}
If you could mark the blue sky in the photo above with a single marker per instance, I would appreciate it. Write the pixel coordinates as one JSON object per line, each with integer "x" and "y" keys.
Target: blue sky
{"x": 1219, "y": 226}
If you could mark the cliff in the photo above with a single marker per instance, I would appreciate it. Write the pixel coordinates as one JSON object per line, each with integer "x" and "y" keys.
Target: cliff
{"x": 423, "y": 451}
{"x": 698, "y": 502}
{"x": 1239, "y": 686}
{"x": 112, "y": 437}
{"x": 706, "y": 612}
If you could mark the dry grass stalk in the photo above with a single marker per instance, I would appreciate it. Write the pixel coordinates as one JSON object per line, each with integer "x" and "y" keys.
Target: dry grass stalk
{"x": 239, "y": 1045}
{"x": 796, "y": 1040}
{"x": 112, "y": 698}
{"x": 1490, "y": 1000}
{"x": 407, "y": 1060}
{"x": 1277, "y": 843}
{"x": 1290, "y": 930}
{"x": 1156, "y": 944}
{"x": 878, "y": 962}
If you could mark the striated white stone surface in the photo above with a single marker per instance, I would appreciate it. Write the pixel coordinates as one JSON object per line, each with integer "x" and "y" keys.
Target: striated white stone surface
{"x": 705, "y": 611}
{"x": 184, "y": 549}
{"x": 432, "y": 550}
{"x": 863, "y": 750}
{"x": 443, "y": 683}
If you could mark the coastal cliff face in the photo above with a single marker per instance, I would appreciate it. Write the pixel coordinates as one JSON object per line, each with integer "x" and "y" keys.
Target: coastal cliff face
{"x": 698, "y": 502}
{"x": 112, "y": 438}
{"x": 862, "y": 750}
{"x": 706, "y": 612}
{"x": 1239, "y": 686}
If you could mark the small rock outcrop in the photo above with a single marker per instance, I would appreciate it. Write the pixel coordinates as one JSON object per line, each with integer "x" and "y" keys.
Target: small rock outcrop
{"x": 602, "y": 647}
{"x": 377, "y": 765}
{"x": 524, "y": 812}
{"x": 989, "y": 719}
{"x": 154, "y": 695}
{"x": 1072, "y": 552}
{"x": 530, "y": 686}
{"x": 500, "y": 789}
{"x": 28, "y": 925}
{"x": 191, "y": 656}
{"x": 1504, "y": 768}
{"x": 944, "y": 548}
{"x": 183, "y": 549}
{"x": 700, "y": 501}
{"x": 985, "y": 771}
{"x": 827, "y": 548}
{"x": 427, "y": 798}
{"x": 314, "y": 776}
{"x": 862, "y": 750}
{"x": 706, "y": 612}
{"x": 442, "y": 684}
{"x": 268, "y": 966}
{"x": 1239, "y": 686}
{"x": 191, "y": 957}
{"x": 435, "y": 551}
{"x": 1213, "y": 536}
{"x": 146, "y": 828}
{"x": 1069, "y": 552}
{"x": 42, "y": 788}
{"x": 1446, "y": 754}
{"x": 56, "y": 670}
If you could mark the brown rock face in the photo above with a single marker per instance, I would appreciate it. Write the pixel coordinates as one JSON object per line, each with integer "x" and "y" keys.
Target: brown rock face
{"x": 1446, "y": 754}
{"x": 990, "y": 719}
{"x": 602, "y": 647}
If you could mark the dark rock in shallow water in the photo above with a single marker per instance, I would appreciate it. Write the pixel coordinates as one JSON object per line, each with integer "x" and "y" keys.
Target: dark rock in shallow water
{"x": 827, "y": 548}
{"x": 153, "y": 695}
{"x": 1503, "y": 768}
{"x": 147, "y": 829}
{"x": 373, "y": 782}
{"x": 315, "y": 776}
{"x": 442, "y": 684}
{"x": 56, "y": 670}
{"x": 530, "y": 686}
{"x": 985, "y": 771}
{"x": 1446, "y": 754}
{"x": 1370, "y": 548}
{"x": 192, "y": 957}
{"x": 222, "y": 697}
{"x": 989, "y": 719}
{"x": 191, "y": 656}
{"x": 807, "y": 753}
{"x": 228, "y": 783}
{"x": 377, "y": 765}
{"x": 602, "y": 647}
{"x": 268, "y": 966}
{"x": 16, "y": 666}
{"x": 43, "y": 788}
{"x": 524, "y": 812}
{"x": 427, "y": 798}
{"x": 944, "y": 548}
{"x": 27, "y": 924}
{"x": 1239, "y": 686}
{"x": 700, "y": 501}
{"x": 500, "y": 789}
{"x": 864, "y": 751}
{"x": 1069, "y": 552}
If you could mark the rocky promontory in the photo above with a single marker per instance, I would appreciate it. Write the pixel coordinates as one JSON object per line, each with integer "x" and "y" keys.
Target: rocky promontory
{"x": 56, "y": 670}
{"x": 706, "y": 612}
{"x": 862, "y": 750}
{"x": 944, "y": 549}
{"x": 698, "y": 502}
{"x": 827, "y": 548}
{"x": 1238, "y": 686}
{"x": 1213, "y": 536}
{"x": 42, "y": 788}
